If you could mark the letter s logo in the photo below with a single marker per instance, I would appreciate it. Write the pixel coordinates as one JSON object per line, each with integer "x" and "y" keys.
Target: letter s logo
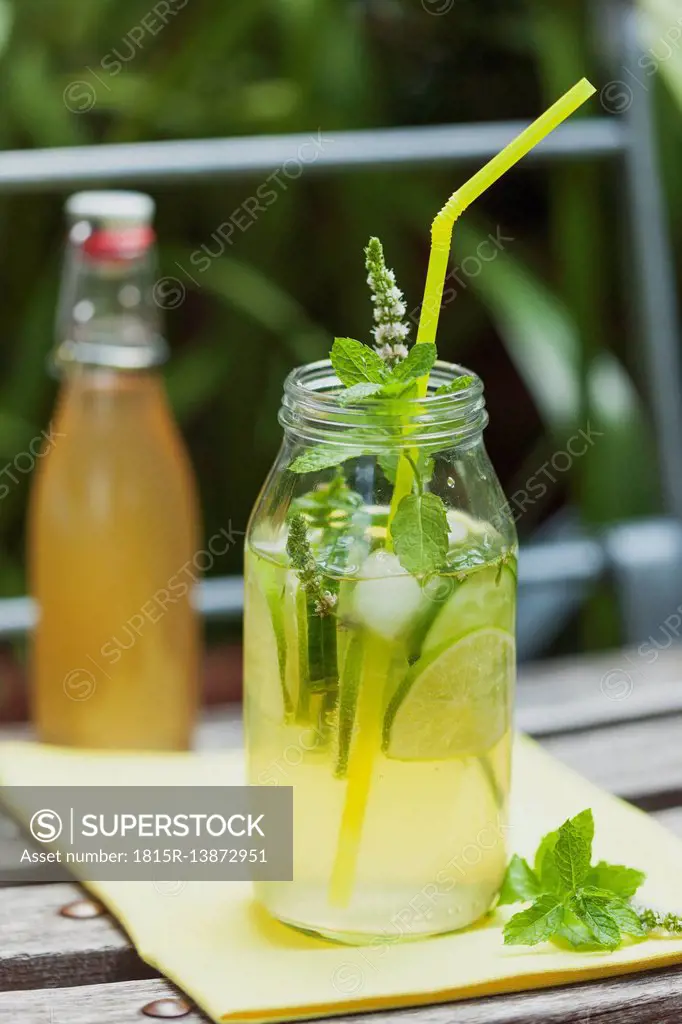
{"x": 46, "y": 826}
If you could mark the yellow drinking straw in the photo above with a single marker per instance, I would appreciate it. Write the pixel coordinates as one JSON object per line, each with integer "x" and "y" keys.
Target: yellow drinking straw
{"x": 368, "y": 726}
{"x": 441, "y": 229}
{"x": 444, "y": 222}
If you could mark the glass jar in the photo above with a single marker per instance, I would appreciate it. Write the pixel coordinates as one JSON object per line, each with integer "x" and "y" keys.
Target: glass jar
{"x": 380, "y": 658}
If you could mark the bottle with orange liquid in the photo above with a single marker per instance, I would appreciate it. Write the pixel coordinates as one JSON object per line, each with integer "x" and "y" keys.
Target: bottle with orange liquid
{"x": 113, "y": 529}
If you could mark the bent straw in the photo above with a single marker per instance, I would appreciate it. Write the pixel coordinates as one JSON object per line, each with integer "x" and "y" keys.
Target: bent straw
{"x": 443, "y": 224}
{"x": 363, "y": 747}
{"x": 441, "y": 236}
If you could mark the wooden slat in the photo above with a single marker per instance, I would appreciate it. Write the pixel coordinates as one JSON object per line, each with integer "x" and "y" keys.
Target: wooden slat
{"x": 651, "y": 998}
{"x": 89, "y": 1004}
{"x": 641, "y": 761}
{"x": 583, "y": 693}
{"x": 39, "y": 948}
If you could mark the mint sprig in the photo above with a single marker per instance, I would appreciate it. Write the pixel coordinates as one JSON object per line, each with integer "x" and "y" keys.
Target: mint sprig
{"x": 375, "y": 377}
{"x": 584, "y": 905}
{"x": 365, "y": 375}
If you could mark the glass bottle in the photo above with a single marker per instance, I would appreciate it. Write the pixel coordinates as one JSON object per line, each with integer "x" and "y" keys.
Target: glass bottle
{"x": 382, "y": 695}
{"x": 113, "y": 524}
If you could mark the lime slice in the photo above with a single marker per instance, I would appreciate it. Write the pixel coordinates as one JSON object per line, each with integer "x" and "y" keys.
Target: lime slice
{"x": 485, "y": 598}
{"x": 454, "y": 703}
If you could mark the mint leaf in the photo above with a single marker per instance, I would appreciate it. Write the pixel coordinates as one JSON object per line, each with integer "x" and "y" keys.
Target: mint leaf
{"x": 420, "y": 533}
{"x": 355, "y": 363}
{"x": 598, "y": 894}
{"x": 389, "y": 465}
{"x": 596, "y": 917}
{"x": 584, "y": 824}
{"x": 327, "y": 499}
{"x": 545, "y": 859}
{"x": 358, "y": 392}
{"x": 419, "y": 361}
{"x": 458, "y": 384}
{"x": 399, "y": 389}
{"x": 537, "y": 924}
{"x": 626, "y": 918}
{"x": 574, "y": 932}
{"x": 323, "y": 457}
{"x": 572, "y": 856}
{"x": 545, "y": 864}
{"x": 520, "y": 883}
{"x": 621, "y": 881}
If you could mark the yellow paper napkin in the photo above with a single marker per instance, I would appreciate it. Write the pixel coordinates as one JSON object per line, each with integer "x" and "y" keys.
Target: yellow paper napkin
{"x": 238, "y": 964}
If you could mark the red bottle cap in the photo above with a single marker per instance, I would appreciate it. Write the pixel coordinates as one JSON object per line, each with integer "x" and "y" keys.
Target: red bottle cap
{"x": 122, "y": 243}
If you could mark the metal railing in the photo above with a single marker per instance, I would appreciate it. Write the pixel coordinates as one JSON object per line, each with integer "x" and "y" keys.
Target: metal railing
{"x": 181, "y": 161}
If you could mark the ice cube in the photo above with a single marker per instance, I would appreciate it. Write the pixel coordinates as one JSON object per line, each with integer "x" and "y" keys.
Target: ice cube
{"x": 387, "y": 597}
{"x": 460, "y": 525}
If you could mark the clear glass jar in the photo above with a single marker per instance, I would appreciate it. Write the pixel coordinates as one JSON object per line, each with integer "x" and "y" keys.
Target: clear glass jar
{"x": 379, "y": 667}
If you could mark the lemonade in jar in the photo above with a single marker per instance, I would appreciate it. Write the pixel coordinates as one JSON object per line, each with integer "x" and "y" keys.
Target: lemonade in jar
{"x": 379, "y": 639}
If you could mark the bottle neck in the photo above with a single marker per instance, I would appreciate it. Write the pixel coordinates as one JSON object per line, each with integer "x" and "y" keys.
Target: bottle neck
{"x": 107, "y": 316}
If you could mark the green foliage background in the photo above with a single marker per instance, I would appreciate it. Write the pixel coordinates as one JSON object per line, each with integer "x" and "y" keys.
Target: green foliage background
{"x": 547, "y": 323}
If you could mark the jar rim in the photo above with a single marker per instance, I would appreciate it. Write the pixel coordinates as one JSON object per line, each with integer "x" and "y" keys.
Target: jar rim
{"x": 312, "y": 408}
{"x": 297, "y": 386}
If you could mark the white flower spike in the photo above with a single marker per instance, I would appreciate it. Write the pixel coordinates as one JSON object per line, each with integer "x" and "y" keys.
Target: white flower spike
{"x": 391, "y": 332}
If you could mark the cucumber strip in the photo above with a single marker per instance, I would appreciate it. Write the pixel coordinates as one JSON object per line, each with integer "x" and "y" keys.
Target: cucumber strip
{"x": 318, "y": 659}
{"x": 301, "y": 655}
{"x": 325, "y": 716}
{"x": 323, "y": 670}
{"x": 349, "y": 685}
{"x": 274, "y": 597}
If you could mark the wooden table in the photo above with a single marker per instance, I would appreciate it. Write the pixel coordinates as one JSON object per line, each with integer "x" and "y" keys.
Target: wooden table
{"x": 617, "y": 719}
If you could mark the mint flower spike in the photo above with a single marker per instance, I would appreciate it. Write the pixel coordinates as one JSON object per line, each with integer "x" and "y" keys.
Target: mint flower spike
{"x": 303, "y": 561}
{"x": 390, "y": 333}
